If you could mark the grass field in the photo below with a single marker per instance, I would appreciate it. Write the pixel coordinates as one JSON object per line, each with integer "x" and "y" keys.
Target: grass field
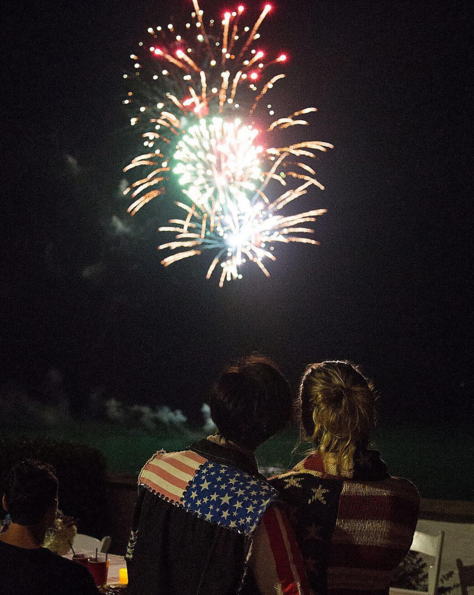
{"x": 441, "y": 464}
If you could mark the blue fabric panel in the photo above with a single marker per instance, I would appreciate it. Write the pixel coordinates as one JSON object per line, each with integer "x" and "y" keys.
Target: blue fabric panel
{"x": 229, "y": 497}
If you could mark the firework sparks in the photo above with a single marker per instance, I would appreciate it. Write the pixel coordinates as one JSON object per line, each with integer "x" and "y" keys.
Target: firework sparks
{"x": 210, "y": 82}
{"x": 218, "y": 163}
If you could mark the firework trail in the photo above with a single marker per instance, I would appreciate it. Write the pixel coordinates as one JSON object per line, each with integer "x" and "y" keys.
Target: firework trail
{"x": 197, "y": 113}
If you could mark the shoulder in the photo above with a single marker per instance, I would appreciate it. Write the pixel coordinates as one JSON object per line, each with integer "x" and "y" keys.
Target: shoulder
{"x": 228, "y": 496}
{"x": 63, "y": 565}
{"x": 305, "y": 488}
{"x": 186, "y": 461}
{"x": 303, "y": 475}
{"x": 403, "y": 489}
{"x": 169, "y": 474}
{"x": 405, "y": 484}
{"x": 289, "y": 480}
{"x": 393, "y": 501}
{"x": 71, "y": 577}
{"x": 218, "y": 493}
{"x": 394, "y": 487}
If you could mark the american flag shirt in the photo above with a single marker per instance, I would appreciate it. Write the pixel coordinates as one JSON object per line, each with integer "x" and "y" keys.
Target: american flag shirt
{"x": 354, "y": 523}
{"x": 209, "y": 495}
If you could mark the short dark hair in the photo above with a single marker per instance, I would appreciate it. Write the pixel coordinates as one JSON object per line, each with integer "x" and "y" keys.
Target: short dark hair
{"x": 250, "y": 401}
{"x": 31, "y": 488}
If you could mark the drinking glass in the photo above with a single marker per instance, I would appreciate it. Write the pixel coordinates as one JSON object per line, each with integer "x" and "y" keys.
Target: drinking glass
{"x": 99, "y": 568}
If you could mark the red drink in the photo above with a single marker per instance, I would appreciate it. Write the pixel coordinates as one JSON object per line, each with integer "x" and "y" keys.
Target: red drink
{"x": 99, "y": 568}
{"x": 81, "y": 559}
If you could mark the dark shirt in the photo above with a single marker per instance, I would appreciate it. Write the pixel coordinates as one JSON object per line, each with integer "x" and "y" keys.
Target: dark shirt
{"x": 41, "y": 572}
{"x": 188, "y": 536}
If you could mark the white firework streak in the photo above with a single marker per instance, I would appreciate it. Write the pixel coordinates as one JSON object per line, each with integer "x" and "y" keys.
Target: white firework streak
{"x": 203, "y": 132}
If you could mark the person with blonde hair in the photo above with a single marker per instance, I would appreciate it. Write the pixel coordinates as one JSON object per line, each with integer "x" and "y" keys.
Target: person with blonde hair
{"x": 354, "y": 523}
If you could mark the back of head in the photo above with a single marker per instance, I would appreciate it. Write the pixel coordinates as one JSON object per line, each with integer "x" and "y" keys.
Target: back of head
{"x": 337, "y": 407}
{"x": 250, "y": 401}
{"x": 31, "y": 489}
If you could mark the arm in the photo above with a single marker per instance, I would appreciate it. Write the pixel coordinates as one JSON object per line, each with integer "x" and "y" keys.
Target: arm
{"x": 275, "y": 559}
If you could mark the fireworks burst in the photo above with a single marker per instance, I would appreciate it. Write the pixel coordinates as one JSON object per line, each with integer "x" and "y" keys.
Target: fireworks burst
{"x": 206, "y": 129}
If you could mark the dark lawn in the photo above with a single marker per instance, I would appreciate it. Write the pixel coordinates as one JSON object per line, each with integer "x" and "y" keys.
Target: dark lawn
{"x": 440, "y": 463}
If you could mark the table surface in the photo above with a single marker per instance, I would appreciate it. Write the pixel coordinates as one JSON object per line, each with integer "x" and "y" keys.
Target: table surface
{"x": 115, "y": 564}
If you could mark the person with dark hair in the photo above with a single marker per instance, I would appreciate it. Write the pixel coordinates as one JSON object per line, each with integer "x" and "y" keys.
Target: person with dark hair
{"x": 353, "y": 521}
{"x": 26, "y": 568}
{"x": 206, "y": 522}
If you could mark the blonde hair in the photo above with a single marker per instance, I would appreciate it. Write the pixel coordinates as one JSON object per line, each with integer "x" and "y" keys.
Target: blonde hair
{"x": 337, "y": 408}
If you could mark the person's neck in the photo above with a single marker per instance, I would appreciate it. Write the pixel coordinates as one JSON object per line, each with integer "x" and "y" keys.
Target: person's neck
{"x": 30, "y": 537}
{"x": 247, "y": 452}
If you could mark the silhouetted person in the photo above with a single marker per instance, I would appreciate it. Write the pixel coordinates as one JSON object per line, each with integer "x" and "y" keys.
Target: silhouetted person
{"x": 26, "y": 568}
{"x": 353, "y": 521}
{"x": 205, "y": 516}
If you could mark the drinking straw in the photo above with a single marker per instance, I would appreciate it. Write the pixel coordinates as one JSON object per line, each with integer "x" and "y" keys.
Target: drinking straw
{"x": 106, "y": 556}
{"x": 73, "y": 552}
{"x": 96, "y": 554}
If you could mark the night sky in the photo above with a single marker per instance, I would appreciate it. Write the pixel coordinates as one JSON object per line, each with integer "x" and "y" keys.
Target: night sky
{"x": 82, "y": 289}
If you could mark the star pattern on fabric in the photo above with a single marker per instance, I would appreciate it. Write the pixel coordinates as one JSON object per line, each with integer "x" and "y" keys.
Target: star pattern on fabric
{"x": 317, "y": 494}
{"x": 228, "y": 496}
{"x": 292, "y": 482}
